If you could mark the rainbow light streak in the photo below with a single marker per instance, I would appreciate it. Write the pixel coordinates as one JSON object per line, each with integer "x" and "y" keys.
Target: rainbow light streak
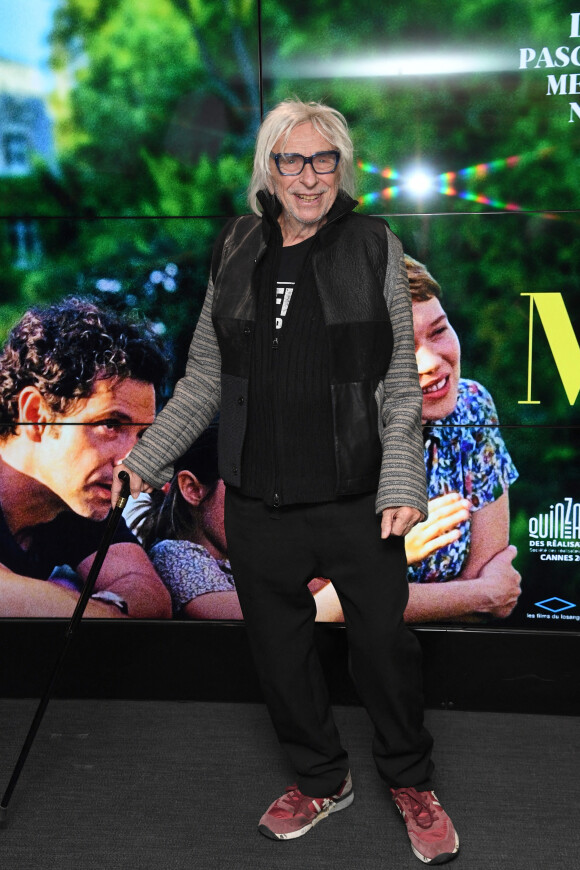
{"x": 387, "y": 193}
{"x": 387, "y": 172}
{"x": 445, "y": 183}
{"x": 485, "y": 200}
{"x": 369, "y": 198}
{"x": 478, "y": 170}
{"x": 481, "y": 170}
{"x": 494, "y": 203}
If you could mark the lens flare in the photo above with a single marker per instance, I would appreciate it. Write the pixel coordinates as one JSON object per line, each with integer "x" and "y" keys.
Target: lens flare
{"x": 420, "y": 183}
{"x": 458, "y": 183}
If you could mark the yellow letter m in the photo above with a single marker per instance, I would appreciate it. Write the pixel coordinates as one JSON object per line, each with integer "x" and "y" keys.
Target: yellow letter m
{"x": 561, "y": 339}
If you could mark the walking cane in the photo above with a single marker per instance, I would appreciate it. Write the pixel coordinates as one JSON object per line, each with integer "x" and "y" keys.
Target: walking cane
{"x": 112, "y": 523}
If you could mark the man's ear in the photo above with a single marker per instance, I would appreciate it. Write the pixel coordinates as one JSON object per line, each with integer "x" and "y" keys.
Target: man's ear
{"x": 192, "y": 490}
{"x": 33, "y": 412}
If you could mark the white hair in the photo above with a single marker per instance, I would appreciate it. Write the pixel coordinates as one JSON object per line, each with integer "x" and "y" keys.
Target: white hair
{"x": 279, "y": 123}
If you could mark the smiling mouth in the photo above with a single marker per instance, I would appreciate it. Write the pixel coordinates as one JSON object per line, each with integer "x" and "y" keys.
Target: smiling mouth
{"x": 305, "y": 197}
{"x": 434, "y": 388}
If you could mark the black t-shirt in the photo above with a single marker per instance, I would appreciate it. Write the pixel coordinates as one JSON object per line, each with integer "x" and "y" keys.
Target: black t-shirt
{"x": 292, "y": 259}
{"x": 288, "y": 455}
{"x": 66, "y": 540}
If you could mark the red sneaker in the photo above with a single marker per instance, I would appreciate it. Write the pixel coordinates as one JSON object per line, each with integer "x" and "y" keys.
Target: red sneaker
{"x": 293, "y": 814}
{"x": 433, "y": 838}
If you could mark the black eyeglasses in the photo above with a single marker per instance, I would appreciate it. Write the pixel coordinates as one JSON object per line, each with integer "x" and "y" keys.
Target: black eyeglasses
{"x": 323, "y": 162}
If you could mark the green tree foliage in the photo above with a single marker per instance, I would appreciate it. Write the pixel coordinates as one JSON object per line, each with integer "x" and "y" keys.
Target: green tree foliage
{"x": 150, "y": 79}
{"x": 446, "y": 123}
{"x": 156, "y": 108}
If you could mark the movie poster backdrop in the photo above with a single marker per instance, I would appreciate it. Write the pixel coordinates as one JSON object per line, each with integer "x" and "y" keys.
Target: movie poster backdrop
{"x": 465, "y": 122}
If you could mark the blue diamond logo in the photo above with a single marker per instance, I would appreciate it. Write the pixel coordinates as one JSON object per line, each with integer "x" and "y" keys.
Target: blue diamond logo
{"x": 555, "y": 605}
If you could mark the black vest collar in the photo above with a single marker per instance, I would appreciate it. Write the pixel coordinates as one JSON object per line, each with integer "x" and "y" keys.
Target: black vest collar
{"x": 343, "y": 204}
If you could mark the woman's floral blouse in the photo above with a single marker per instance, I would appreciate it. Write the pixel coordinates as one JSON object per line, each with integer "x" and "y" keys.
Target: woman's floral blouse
{"x": 464, "y": 453}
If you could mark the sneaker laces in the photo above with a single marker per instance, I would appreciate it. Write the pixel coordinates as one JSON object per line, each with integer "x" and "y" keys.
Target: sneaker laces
{"x": 292, "y": 795}
{"x": 423, "y": 814}
{"x": 291, "y": 801}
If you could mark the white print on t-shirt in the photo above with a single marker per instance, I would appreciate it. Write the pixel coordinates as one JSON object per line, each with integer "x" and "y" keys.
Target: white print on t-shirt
{"x": 283, "y": 295}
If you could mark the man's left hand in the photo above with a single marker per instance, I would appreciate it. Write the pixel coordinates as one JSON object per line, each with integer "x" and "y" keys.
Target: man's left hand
{"x": 399, "y": 520}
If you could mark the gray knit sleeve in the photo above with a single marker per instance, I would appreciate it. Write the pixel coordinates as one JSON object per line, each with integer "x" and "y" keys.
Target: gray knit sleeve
{"x": 190, "y": 410}
{"x": 403, "y": 479}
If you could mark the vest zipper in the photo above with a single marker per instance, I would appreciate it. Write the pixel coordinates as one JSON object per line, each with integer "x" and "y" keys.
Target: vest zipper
{"x": 275, "y": 345}
{"x": 274, "y": 403}
{"x": 274, "y": 367}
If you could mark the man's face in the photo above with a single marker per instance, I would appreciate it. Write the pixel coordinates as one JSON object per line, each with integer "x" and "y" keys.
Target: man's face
{"x": 308, "y": 197}
{"x": 438, "y": 359}
{"x": 76, "y": 461}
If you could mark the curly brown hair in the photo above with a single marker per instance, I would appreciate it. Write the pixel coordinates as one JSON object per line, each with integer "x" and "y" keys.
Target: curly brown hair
{"x": 63, "y": 349}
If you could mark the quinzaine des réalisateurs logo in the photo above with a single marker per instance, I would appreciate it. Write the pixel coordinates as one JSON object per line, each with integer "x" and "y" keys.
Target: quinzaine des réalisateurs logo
{"x": 555, "y": 534}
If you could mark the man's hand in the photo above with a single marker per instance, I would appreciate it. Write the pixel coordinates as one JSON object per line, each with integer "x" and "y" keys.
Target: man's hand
{"x": 446, "y": 513}
{"x": 399, "y": 520}
{"x": 138, "y": 485}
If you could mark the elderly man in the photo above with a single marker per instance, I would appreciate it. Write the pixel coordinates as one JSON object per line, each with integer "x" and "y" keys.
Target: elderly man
{"x": 306, "y": 335}
{"x": 77, "y": 388}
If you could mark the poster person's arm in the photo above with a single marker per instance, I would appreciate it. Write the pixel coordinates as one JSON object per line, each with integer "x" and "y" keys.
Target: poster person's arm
{"x": 190, "y": 410}
{"x": 488, "y": 583}
{"x": 494, "y": 592}
{"x": 214, "y": 605}
{"x": 29, "y": 597}
{"x": 402, "y": 482}
{"x": 489, "y": 535}
{"x": 128, "y": 573}
{"x": 226, "y": 605}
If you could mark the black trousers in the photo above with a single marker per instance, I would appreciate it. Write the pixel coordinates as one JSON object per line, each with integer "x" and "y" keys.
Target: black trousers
{"x": 274, "y": 553}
